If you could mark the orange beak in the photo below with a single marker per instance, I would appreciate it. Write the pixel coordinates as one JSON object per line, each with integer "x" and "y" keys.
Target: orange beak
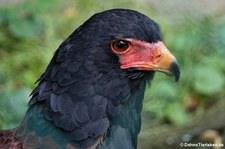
{"x": 150, "y": 57}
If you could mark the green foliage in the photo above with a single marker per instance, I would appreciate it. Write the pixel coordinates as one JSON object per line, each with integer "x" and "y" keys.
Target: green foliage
{"x": 22, "y": 22}
{"x": 208, "y": 80}
{"x": 13, "y": 107}
{"x": 162, "y": 101}
{"x": 27, "y": 28}
{"x": 176, "y": 113}
{"x": 13, "y": 101}
{"x": 22, "y": 59}
{"x": 198, "y": 45}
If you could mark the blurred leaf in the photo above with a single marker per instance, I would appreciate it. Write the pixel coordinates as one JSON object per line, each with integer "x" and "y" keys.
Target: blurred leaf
{"x": 216, "y": 62}
{"x": 36, "y": 6}
{"x": 1, "y": 18}
{"x": 25, "y": 28}
{"x": 15, "y": 104}
{"x": 3, "y": 77}
{"x": 208, "y": 80}
{"x": 155, "y": 106}
{"x": 219, "y": 41}
{"x": 164, "y": 90}
{"x": 176, "y": 114}
{"x": 180, "y": 42}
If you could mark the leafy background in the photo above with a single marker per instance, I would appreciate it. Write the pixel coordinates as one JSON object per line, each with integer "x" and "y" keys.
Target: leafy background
{"x": 31, "y": 30}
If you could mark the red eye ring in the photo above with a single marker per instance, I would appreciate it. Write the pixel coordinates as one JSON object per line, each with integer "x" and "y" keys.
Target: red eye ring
{"x": 120, "y": 46}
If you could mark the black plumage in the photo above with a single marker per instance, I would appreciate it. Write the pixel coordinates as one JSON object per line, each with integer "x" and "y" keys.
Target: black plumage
{"x": 84, "y": 96}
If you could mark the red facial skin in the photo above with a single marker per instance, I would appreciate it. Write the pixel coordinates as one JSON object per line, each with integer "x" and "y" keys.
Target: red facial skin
{"x": 142, "y": 55}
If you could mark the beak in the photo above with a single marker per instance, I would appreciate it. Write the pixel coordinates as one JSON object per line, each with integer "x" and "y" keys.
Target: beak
{"x": 164, "y": 61}
{"x": 150, "y": 57}
{"x": 174, "y": 69}
{"x": 169, "y": 67}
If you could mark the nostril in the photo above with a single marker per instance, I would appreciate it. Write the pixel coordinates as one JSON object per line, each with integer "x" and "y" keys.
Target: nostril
{"x": 158, "y": 56}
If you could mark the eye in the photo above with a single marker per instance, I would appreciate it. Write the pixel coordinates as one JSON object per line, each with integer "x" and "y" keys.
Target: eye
{"x": 120, "y": 46}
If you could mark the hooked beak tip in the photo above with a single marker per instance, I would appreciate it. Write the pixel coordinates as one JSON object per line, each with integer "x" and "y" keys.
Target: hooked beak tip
{"x": 175, "y": 70}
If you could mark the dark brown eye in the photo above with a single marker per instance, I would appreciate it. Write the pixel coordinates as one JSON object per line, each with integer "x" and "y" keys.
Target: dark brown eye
{"x": 120, "y": 46}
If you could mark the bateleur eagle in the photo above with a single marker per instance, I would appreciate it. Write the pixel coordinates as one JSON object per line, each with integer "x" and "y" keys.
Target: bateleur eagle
{"x": 90, "y": 95}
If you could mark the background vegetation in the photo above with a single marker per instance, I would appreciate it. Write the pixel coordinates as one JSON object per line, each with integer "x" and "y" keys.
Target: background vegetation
{"x": 31, "y": 30}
